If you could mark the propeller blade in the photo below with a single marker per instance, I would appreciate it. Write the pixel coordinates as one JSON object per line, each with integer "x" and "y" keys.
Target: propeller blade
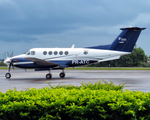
{"x": 12, "y": 54}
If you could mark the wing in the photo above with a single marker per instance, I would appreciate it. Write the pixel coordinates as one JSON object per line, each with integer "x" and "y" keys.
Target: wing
{"x": 43, "y": 62}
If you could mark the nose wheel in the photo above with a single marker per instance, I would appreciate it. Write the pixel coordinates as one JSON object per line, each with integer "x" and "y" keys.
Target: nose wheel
{"x": 8, "y": 75}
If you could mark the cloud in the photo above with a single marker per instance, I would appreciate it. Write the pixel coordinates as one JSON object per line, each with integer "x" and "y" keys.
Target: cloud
{"x": 16, "y": 38}
{"x": 43, "y": 17}
{"x": 70, "y": 21}
{"x": 142, "y": 19}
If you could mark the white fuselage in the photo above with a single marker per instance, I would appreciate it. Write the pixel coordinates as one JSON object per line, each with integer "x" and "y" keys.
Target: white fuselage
{"x": 76, "y": 56}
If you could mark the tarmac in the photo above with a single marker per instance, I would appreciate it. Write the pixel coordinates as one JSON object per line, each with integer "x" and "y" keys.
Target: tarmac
{"x": 134, "y": 79}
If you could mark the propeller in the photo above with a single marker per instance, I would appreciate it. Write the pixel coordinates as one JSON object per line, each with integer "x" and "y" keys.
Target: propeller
{"x": 8, "y": 61}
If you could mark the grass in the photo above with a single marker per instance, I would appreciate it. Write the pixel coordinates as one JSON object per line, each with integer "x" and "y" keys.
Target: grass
{"x": 101, "y": 68}
{"x": 3, "y": 67}
{"x": 109, "y": 68}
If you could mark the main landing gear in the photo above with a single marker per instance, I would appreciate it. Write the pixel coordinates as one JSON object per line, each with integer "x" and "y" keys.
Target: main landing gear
{"x": 49, "y": 75}
{"x": 62, "y": 74}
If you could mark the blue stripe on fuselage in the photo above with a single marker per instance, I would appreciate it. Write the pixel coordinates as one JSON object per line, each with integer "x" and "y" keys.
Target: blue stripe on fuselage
{"x": 24, "y": 63}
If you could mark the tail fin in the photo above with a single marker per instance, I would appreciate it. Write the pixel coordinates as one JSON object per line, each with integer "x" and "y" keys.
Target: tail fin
{"x": 126, "y": 40}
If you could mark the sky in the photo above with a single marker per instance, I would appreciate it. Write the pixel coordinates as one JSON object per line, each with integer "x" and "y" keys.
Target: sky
{"x": 26, "y": 24}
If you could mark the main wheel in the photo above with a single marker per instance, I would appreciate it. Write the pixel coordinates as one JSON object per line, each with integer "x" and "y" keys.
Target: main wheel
{"x": 62, "y": 75}
{"x": 48, "y": 76}
{"x": 8, "y": 75}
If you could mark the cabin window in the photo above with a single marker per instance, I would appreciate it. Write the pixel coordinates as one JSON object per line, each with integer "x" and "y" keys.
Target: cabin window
{"x": 55, "y": 53}
{"x": 60, "y": 52}
{"x": 85, "y": 52}
{"x": 44, "y": 53}
{"x": 50, "y": 53}
{"x": 66, "y": 52}
{"x": 32, "y": 52}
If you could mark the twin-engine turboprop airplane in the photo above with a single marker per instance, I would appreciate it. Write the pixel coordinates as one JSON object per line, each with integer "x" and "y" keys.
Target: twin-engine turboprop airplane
{"x": 60, "y": 58}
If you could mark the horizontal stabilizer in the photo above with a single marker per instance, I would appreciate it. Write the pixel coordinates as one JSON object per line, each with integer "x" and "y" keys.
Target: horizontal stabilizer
{"x": 134, "y": 28}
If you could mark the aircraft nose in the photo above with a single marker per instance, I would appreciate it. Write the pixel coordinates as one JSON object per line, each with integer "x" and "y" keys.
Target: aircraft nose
{"x": 7, "y": 61}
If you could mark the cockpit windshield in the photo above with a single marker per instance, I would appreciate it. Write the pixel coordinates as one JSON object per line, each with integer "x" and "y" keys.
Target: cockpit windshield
{"x": 27, "y": 53}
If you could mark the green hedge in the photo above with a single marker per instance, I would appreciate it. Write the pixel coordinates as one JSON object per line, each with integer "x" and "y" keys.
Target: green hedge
{"x": 86, "y": 102}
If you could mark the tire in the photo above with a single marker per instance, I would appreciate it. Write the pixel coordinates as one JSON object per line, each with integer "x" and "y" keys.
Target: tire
{"x": 48, "y": 76}
{"x": 8, "y": 75}
{"x": 62, "y": 75}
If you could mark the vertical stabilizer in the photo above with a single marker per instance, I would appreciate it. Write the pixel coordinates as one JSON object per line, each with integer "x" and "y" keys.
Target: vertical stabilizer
{"x": 126, "y": 40}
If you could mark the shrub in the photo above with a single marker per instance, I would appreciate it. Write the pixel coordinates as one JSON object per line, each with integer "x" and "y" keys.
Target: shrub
{"x": 85, "y": 102}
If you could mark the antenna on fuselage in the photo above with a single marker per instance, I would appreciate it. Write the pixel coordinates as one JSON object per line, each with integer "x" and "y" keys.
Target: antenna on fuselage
{"x": 73, "y": 46}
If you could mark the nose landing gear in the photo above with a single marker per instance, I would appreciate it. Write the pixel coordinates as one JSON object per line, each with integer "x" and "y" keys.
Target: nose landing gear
{"x": 9, "y": 65}
{"x": 8, "y": 75}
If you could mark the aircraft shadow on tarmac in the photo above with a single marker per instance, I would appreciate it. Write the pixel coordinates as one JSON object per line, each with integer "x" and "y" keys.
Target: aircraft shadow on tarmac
{"x": 41, "y": 79}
